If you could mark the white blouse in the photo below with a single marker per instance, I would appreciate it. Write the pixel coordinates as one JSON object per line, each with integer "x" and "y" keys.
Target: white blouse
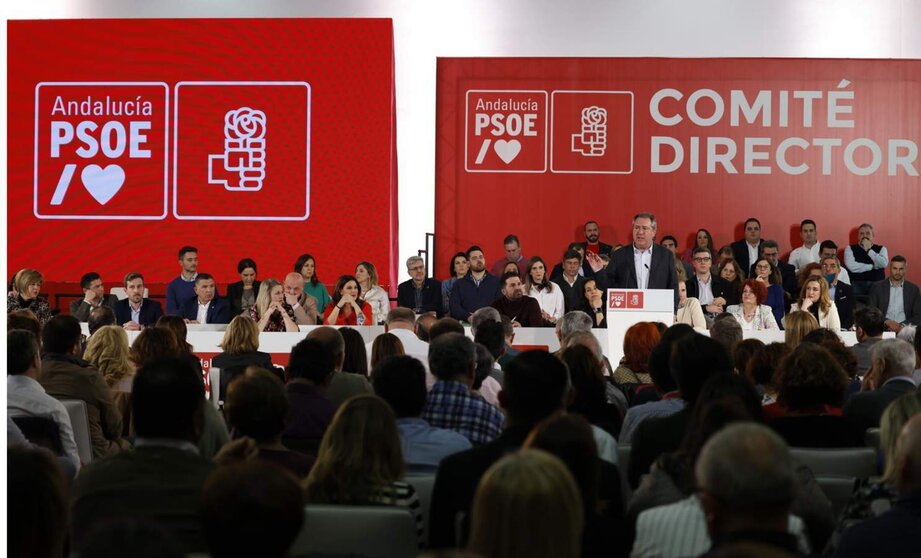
{"x": 550, "y": 301}
{"x": 379, "y": 301}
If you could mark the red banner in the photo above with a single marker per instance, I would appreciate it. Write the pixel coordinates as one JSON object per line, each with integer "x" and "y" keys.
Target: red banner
{"x": 259, "y": 138}
{"x": 538, "y": 146}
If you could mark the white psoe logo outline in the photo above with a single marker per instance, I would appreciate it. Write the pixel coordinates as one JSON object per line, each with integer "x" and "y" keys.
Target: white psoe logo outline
{"x": 592, "y": 140}
{"x": 244, "y": 151}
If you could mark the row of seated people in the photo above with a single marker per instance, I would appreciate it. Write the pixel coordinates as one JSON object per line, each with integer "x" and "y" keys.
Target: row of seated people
{"x": 471, "y": 401}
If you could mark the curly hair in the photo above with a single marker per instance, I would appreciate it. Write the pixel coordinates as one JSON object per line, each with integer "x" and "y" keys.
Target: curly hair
{"x": 764, "y": 363}
{"x": 810, "y": 378}
{"x": 757, "y": 288}
{"x": 108, "y": 352}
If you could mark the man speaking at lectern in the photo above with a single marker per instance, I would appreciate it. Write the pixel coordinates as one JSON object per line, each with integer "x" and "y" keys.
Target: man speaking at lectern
{"x": 645, "y": 265}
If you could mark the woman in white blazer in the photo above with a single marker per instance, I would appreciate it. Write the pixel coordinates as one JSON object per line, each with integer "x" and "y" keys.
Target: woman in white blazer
{"x": 815, "y": 299}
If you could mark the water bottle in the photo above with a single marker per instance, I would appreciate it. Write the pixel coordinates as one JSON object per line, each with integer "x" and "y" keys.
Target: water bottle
{"x": 361, "y": 318}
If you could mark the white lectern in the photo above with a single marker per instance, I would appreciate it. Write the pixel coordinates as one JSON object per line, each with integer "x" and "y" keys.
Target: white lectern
{"x": 629, "y": 306}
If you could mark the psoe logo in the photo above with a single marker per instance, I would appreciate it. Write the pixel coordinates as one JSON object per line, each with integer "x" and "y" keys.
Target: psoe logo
{"x": 591, "y": 132}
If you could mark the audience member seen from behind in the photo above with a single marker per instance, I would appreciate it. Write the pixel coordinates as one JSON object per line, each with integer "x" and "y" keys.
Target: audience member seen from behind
{"x": 271, "y": 313}
{"x": 256, "y": 407}
{"x": 799, "y": 324}
{"x": 360, "y": 462}
{"x": 811, "y": 391}
{"x": 181, "y": 332}
{"x": 310, "y": 370}
{"x": 753, "y": 314}
{"x": 890, "y": 376}
{"x": 743, "y": 352}
{"x": 371, "y": 292}
{"x": 306, "y": 265}
{"x": 36, "y": 503}
{"x": 161, "y": 480}
{"x": 592, "y": 303}
{"x": 242, "y": 294}
{"x": 26, "y": 286}
{"x": 400, "y": 381}
{"x": 241, "y": 350}
{"x": 109, "y": 353}
{"x": 527, "y": 505}
{"x": 633, "y": 369}
{"x": 251, "y": 509}
{"x": 814, "y": 298}
{"x": 342, "y": 385}
{"x": 459, "y": 268}
{"x": 726, "y": 331}
{"x": 384, "y": 346}
{"x": 347, "y": 308}
{"x": 569, "y": 438}
{"x": 356, "y": 353}
{"x": 588, "y": 383}
{"x": 762, "y": 372}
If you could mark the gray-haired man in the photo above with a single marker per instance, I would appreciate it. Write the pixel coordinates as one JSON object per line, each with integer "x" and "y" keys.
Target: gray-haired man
{"x": 421, "y": 294}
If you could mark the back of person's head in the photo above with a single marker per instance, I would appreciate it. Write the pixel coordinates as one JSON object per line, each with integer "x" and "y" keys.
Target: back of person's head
{"x": 694, "y": 360}
{"x": 424, "y": 324}
{"x": 311, "y": 360}
{"x": 819, "y": 335}
{"x": 746, "y": 474}
{"x": 586, "y": 339}
{"x": 569, "y": 437}
{"x": 356, "y": 354}
{"x": 130, "y": 536}
{"x": 241, "y": 336}
{"x": 727, "y": 332}
{"x": 484, "y": 366}
{"x": 443, "y": 326}
{"x": 100, "y": 317}
{"x": 908, "y": 458}
{"x": 22, "y": 351}
{"x": 492, "y": 336}
{"x": 894, "y": 418}
{"x": 176, "y": 324}
{"x": 384, "y": 346}
{"x": 810, "y": 378}
{"x": 109, "y": 353}
{"x": 154, "y": 343}
{"x": 575, "y": 320}
{"x": 400, "y": 381}
{"x": 797, "y": 325}
{"x": 762, "y": 367}
{"x": 483, "y": 315}
{"x": 535, "y": 385}
{"x": 843, "y": 355}
{"x": 401, "y": 317}
{"x": 527, "y": 504}
{"x": 743, "y": 352}
{"x": 167, "y": 400}
{"x": 252, "y": 508}
{"x": 451, "y": 356}
{"x": 24, "y": 319}
{"x": 893, "y": 357}
{"x": 660, "y": 356}
{"x": 332, "y": 338}
{"x": 61, "y": 334}
{"x": 871, "y": 320}
{"x": 587, "y": 382}
{"x": 36, "y": 503}
{"x": 256, "y": 405}
{"x": 639, "y": 340}
{"x": 360, "y": 454}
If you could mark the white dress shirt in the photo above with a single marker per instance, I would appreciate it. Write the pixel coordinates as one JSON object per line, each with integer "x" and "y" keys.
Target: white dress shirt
{"x": 27, "y": 397}
{"x": 550, "y": 301}
{"x": 412, "y": 346}
{"x": 642, "y": 259}
{"x": 802, "y": 256}
{"x": 202, "y": 316}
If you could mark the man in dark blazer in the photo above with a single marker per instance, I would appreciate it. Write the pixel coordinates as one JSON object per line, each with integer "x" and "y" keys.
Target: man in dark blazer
{"x": 217, "y": 311}
{"x": 148, "y": 311}
{"x": 657, "y": 265}
{"x": 842, "y": 293}
{"x": 94, "y": 296}
{"x": 720, "y": 289}
{"x": 428, "y": 289}
{"x": 771, "y": 252}
{"x": 592, "y": 244}
{"x": 893, "y": 361}
{"x": 569, "y": 281}
{"x": 881, "y": 291}
{"x": 579, "y": 248}
{"x": 742, "y": 249}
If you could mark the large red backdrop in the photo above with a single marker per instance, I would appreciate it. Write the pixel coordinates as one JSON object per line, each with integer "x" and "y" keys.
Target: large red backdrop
{"x": 537, "y": 146}
{"x": 259, "y": 138}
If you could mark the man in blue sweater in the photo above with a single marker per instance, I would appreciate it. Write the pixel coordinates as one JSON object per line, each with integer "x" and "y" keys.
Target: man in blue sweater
{"x": 182, "y": 288}
{"x": 478, "y": 289}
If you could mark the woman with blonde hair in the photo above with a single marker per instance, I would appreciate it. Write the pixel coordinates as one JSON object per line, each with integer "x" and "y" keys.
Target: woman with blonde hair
{"x": 241, "y": 349}
{"x": 109, "y": 353}
{"x": 385, "y": 346}
{"x": 360, "y": 461}
{"x": 798, "y": 324}
{"x": 527, "y": 504}
{"x": 27, "y": 283}
{"x": 271, "y": 312}
{"x": 815, "y": 299}
{"x": 371, "y": 292}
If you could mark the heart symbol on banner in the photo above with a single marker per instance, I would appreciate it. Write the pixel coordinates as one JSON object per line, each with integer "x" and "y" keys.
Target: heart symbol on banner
{"x": 507, "y": 150}
{"x": 103, "y": 183}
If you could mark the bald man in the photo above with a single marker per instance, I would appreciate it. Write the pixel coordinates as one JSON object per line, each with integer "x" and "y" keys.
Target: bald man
{"x": 304, "y": 305}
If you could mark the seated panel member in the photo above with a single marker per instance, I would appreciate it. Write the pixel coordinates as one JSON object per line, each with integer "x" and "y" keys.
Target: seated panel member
{"x": 94, "y": 296}
{"x": 136, "y": 312}
{"x": 182, "y": 288}
{"x": 420, "y": 293}
{"x": 205, "y": 307}
{"x": 242, "y": 294}
{"x": 477, "y": 289}
{"x": 841, "y": 293}
{"x": 896, "y": 297}
{"x": 569, "y": 280}
{"x": 523, "y": 310}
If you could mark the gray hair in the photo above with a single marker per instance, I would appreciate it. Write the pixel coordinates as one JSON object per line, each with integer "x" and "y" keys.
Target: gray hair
{"x": 484, "y": 314}
{"x": 748, "y": 468}
{"x": 586, "y": 339}
{"x": 646, "y": 215}
{"x": 907, "y": 334}
{"x": 898, "y": 355}
{"x": 573, "y": 321}
{"x": 412, "y": 259}
{"x": 769, "y": 244}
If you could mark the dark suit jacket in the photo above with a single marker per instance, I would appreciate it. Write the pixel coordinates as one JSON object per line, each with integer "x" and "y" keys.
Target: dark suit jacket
{"x": 80, "y": 310}
{"x": 719, "y": 286}
{"x": 621, "y": 272}
{"x": 911, "y": 298}
{"x": 233, "y": 365}
{"x": 235, "y": 297}
{"x": 431, "y": 296}
{"x": 218, "y": 310}
{"x": 844, "y": 302}
{"x": 150, "y": 312}
{"x": 740, "y": 252}
{"x": 653, "y": 437}
{"x": 865, "y": 409}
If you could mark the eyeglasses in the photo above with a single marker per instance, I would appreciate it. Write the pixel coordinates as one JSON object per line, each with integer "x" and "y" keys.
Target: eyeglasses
{"x": 707, "y": 259}
{"x": 417, "y": 267}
